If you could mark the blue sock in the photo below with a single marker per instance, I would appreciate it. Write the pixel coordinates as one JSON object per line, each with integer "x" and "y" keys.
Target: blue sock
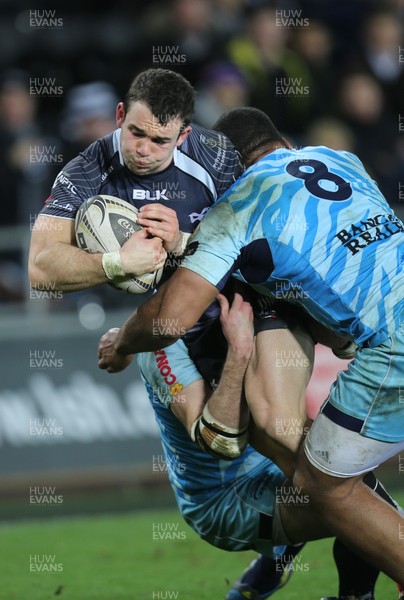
{"x": 266, "y": 572}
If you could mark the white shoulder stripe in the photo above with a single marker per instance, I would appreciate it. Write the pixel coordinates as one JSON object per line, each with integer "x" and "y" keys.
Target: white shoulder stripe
{"x": 116, "y": 140}
{"x": 190, "y": 166}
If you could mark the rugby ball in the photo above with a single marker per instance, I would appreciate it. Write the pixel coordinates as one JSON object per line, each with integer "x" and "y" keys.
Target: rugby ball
{"x": 103, "y": 224}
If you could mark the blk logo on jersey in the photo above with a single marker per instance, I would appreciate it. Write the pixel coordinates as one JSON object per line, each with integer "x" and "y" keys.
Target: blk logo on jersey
{"x": 171, "y": 192}
{"x": 156, "y": 196}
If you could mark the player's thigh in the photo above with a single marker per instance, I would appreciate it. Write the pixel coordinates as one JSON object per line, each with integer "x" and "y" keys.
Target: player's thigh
{"x": 276, "y": 382}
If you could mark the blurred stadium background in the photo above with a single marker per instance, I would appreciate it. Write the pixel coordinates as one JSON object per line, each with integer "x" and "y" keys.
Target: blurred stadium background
{"x": 327, "y": 73}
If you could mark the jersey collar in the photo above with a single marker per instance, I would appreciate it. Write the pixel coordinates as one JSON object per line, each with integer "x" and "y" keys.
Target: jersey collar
{"x": 116, "y": 141}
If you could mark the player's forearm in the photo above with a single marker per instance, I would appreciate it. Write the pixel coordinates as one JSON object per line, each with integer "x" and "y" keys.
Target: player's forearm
{"x": 167, "y": 315}
{"x": 67, "y": 268}
{"x": 227, "y": 403}
{"x": 137, "y": 336}
{"x": 221, "y": 429}
{"x": 146, "y": 331}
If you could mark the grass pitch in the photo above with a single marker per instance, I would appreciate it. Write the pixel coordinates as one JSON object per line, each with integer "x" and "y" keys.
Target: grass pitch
{"x": 142, "y": 556}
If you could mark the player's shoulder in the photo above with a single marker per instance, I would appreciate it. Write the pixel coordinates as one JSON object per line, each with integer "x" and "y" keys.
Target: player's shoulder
{"x": 201, "y": 138}
{"x": 212, "y": 151}
{"x": 103, "y": 150}
{"x": 95, "y": 163}
{"x": 325, "y": 154}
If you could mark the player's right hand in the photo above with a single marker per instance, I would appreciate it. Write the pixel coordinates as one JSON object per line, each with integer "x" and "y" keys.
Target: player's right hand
{"x": 108, "y": 358}
{"x": 237, "y": 323}
{"x": 162, "y": 221}
{"x": 141, "y": 254}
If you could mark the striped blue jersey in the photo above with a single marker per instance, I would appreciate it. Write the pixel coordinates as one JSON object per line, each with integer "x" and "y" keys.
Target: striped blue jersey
{"x": 195, "y": 476}
{"x": 310, "y": 226}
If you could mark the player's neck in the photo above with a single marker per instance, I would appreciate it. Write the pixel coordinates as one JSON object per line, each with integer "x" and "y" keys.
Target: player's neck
{"x": 261, "y": 152}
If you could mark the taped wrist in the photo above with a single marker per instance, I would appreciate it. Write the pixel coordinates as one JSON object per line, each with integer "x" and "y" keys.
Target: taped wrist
{"x": 112, "y": 265}
{"x": 217, "y": 439}
{"x": 347, "y": 351}
{"x": 184, "y": 241}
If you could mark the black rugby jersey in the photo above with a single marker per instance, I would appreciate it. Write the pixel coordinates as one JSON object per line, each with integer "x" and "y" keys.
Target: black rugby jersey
{"x": 203, "y": 167}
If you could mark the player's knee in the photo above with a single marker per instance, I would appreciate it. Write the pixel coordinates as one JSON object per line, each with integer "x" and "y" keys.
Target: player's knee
{"x": 322, "y": 489}
{"x": 305, "y": 479}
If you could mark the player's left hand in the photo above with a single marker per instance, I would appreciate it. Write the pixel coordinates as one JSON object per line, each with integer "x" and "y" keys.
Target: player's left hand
{"x": 161, "y": 221}
{"x": 237, "y": 323}
{"x": 108, "y": 358}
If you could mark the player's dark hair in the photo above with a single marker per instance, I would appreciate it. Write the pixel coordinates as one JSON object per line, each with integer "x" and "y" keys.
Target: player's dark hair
{"x": 167, "y": 94}
{"x": 250, "y": 130}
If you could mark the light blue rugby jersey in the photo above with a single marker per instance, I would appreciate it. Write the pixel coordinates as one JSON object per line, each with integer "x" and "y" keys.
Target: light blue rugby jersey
{"x": 195, "y": 476}
{"x": 309, "y": 226}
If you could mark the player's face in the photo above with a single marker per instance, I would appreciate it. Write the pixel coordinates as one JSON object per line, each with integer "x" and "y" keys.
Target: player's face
{"x": 147, "y": 145}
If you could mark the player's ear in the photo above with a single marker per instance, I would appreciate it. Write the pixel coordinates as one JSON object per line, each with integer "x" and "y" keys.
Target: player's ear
{"x": 183, "y": 135}
{"x": 120, "y": 114}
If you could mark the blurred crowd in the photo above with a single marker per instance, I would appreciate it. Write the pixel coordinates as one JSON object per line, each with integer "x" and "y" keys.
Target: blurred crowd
{"x": 326, "y": 72}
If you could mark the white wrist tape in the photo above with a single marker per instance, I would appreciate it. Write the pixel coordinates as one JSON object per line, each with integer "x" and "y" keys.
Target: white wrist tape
{"x": 184, "y": 241}
{"x": 112, "y": 265}
{"x": 217, "y": 439}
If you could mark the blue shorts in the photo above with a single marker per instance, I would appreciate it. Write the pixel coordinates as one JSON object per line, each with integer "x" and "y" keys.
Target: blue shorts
{"x": 369, "y": 395}
{"x": 239, "y": 517}
{"x": 361, "y": 424}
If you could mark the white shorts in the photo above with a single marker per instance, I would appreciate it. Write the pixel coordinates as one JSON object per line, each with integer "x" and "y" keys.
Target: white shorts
{"x": 340, "y": 452}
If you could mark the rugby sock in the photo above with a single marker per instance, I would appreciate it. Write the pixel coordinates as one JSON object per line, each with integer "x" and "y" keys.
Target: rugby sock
{"x": 357, "y": 577}
{"x": 288, "y": 555}
{"x": 266, "y": 572}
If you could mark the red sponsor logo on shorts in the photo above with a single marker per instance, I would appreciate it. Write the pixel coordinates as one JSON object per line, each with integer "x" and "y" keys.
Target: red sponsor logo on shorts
{"x": 164, "y": 367}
